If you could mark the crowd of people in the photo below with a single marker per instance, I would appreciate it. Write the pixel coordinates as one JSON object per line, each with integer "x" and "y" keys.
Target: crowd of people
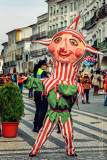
{"x": 91, "y": 80}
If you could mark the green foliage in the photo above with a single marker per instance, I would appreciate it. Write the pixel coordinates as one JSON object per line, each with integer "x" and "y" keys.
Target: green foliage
{"x": 11, "y": 103}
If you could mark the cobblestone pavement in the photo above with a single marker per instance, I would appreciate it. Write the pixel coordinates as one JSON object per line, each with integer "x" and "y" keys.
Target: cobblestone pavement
{"x": 90, "y": 135}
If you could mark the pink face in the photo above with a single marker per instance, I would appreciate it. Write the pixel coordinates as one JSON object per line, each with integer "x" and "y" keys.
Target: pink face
{"x": 66, "y": 48}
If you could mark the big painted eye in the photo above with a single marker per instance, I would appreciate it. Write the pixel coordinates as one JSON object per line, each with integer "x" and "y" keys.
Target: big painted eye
{"x": 73, "y": 42}
{"x": 57, "y": 39}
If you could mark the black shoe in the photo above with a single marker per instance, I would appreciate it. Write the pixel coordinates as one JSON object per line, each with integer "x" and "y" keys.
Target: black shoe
{"x": 58, "y": 131}
{"x": 83, "y": 102}
{"x": 35, "y": 130}
{"x": 32, "y": 155}
{"x": 88, "y": 102}
{"x": 73, "y": 155}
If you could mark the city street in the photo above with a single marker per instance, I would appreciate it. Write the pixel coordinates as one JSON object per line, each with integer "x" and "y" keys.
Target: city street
{"x": 90, "y": 134}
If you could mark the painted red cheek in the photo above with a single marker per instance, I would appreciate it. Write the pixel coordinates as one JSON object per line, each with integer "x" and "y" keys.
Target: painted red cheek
{"x": 51, "y": 48}
{"x": 78, "y": 52}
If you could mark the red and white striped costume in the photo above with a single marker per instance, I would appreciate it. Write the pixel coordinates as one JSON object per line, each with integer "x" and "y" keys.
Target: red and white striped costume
{"x": 65, "y": 73}
{"x": 46, "y": 130}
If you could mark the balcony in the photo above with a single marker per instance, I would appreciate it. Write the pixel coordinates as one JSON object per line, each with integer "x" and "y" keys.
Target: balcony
{"x": 39, "y": 35}
{"x": 38, "y": 52}
{"x": 60, "y": 29}
{"x": 52, "y": 33}
{"x": 18, "y": 57}
{"x": 101, "y": 12}
{"x": 44, "y": 50}
{"x": 12, "y": 63}
{"x": 33, "y": 53}
{"x": 42, "y": 21}
{"x": 102, "y": 46}
{"x": 95, "y": 46}
{"x": 90, "y": 23}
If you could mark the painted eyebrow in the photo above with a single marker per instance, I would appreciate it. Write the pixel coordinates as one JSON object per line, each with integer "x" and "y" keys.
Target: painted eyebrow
{"x": 77, "y": 37}
{"x": 57, "y": 36}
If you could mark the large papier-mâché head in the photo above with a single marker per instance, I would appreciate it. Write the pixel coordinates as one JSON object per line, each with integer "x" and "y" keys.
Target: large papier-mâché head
{"x": 68, "y": 45}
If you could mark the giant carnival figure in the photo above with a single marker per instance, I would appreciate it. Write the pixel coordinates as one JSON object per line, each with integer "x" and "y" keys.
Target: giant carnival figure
{"x": 68, "y": 49}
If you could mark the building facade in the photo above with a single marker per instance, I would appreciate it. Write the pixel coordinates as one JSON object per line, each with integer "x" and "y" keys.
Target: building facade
{"x": 92, "y": 24}
{"x": 5, "y": 58}
{"x": 40, "y": 31}
{"x": 1, "y": 64}
{"x": 19, "y": 52}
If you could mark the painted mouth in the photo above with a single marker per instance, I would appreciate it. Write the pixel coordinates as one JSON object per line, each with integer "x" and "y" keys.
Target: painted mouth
{"x": 64, "y": 55}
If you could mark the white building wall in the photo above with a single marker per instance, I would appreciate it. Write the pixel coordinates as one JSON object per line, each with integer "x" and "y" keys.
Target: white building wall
{"x": 1, "y": 64}
{"x": 25, "y": 33}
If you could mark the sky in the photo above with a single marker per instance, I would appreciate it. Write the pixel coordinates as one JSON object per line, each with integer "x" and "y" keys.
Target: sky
{"x": 19, "y": 13}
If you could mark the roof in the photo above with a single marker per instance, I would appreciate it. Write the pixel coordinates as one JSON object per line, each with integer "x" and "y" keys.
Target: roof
{"x": 18, "y": 29}
{"x": 4, "y": 43}
{"x": 42, "y": 15}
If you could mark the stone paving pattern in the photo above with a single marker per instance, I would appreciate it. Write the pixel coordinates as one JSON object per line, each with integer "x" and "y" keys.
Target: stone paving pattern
{"x": 90, "y": 134}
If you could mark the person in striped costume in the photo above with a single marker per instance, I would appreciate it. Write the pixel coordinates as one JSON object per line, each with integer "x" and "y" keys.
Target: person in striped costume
{"x": 68, "y": 49}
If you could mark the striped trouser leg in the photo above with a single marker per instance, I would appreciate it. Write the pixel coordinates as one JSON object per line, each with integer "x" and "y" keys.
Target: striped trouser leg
{"x": 44, "y": 133}
{"x": 67, "y": 133}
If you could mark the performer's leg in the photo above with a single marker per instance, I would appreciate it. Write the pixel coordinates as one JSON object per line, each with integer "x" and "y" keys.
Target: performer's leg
{"x": 67, "y": 133}
{"x": 44, "y": 133}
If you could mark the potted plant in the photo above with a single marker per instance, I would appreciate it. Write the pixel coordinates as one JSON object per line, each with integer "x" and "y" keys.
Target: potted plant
{"x": 11, "y": 108}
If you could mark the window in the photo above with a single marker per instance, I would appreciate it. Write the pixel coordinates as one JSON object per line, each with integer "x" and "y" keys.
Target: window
{"x": 62, "y": 10}
{"x": 65, "y": 23}
{"x": 38, "y": 29}
{"x": 53, "y": 26}
{"x": 71, "y": 6}
{"x": 21, "y": 50}
{"x": 75, "y": 6}
{"x": 0, "y": 63}
{"x": 61, "y": 24}
{"x": 12, "y": 56}
{"x": 54, "y": 10}
{"x": 50, "y": 28}
{"x": 41, "y": 28}
{"x": 57, "y": 11}
{"x": 103, "y": 34}
{"x": 56, "y": 25}
{"x": 50, "y": 11}
{"x": 71, "y": 21}
{"x": 26, "y": 58}
{"x": 9, "y": 42}
{"x": 65, "y": 9}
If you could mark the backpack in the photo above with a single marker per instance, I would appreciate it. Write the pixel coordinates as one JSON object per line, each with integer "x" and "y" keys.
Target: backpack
{"x": 13, "y": 78}
{"x": 99, "y": 78}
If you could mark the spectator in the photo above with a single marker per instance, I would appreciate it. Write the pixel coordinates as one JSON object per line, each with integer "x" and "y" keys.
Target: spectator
{"x": 20, "y": 81}
{"x": 78, "y": 78}
{"x": 14, "y": 78}
{"x": 30, "y": 74}
{"x": 101, "y": 83}
{"x": 41, "y": 103}
{"x": 86, "y": 81}
{"x": 96, "y": 82}
{"x": 9, "y": 77}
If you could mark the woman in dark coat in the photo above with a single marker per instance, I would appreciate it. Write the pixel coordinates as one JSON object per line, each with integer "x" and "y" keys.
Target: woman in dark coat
{"x": 39, "y": 98}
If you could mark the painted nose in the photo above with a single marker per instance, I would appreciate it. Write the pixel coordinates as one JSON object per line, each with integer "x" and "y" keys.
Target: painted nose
{"x": 63, "y": 46}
